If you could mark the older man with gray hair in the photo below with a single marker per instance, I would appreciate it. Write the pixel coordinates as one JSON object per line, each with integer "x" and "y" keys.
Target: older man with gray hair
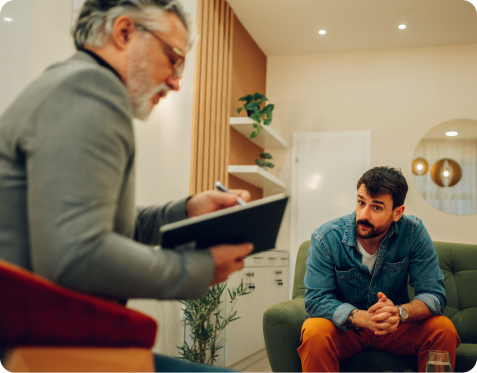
{"x": 67, "y": 165}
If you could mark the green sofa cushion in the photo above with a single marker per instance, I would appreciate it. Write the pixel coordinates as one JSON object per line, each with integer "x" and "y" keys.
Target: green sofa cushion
{"x": 282, "y": 323}
{"x": 466, "y": 357}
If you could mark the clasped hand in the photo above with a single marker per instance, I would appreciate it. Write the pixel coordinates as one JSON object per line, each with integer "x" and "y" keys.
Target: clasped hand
{"x": 227, "y": 258}
{"x": 383, "y": 317}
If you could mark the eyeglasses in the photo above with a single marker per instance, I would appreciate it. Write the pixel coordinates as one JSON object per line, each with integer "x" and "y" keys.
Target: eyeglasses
{"x": 176, "y": 56}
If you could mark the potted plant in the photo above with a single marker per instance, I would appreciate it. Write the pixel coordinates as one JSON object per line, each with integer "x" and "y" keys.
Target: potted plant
{"x": 253, "y": 105}
{"x": 206, "y": 323}
{"x": 264, "y": 163}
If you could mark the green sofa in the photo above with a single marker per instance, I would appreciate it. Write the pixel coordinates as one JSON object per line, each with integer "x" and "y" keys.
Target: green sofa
{"x": 282, "y": 322}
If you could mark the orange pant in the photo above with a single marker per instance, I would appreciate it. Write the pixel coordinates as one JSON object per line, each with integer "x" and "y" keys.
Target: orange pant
{"x": 323, "y": 345}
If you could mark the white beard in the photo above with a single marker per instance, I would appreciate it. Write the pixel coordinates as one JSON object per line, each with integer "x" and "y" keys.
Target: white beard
{"x": 139, "y": 83}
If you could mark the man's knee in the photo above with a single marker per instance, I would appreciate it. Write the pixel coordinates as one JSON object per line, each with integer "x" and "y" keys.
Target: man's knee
{"x": 443, "y": 326}
{"x": 317, "y": 330}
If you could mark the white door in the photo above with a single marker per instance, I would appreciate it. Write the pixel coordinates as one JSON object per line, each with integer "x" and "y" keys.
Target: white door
{"x": 326, "y": 168}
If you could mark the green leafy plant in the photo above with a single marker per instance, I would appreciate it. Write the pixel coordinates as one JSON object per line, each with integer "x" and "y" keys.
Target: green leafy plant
{"x": 206, "y": 323}
{"x": 253, "y": 104}
{"x": 264, "y": 162}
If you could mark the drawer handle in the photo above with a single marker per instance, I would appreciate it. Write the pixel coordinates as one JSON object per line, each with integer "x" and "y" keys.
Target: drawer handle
{"x": 272, "y": 258}
{"x": 258, "y": 257}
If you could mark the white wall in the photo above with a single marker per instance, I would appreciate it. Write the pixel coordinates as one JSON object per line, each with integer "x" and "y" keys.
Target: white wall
{"x": 397, "y": 94}
{"x": 16, "y": 33}
{"x": 52, "y": 41}
{"x": 39, "y": 37}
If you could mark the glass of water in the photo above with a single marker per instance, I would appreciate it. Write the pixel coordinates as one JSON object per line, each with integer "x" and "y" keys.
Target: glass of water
{"x": 438, "y": 361}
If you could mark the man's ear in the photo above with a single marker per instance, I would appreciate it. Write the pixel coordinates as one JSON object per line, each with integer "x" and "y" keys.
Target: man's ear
{"x": 123, "y": 27}
{"x": 398, "y": 212}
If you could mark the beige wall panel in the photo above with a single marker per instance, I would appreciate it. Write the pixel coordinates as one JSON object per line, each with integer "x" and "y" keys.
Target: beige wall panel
{"x": 209, "y": 148}
{"x": 196, "y": 100}
{"x": 242, "y": 150}
{"x": 236, "y": 183}
{"x": 214, "y": 104}
{"x": 230, "y": 46}
{"x": 201, "y": 98}
{"x": 249, "y": 67}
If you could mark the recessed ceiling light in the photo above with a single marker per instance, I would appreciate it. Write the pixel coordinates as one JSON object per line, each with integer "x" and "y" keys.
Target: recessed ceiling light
{"x": 322, "y": 32}
{"x": 402, "y": 27}
{"x": 8, "y": 19}
{"x": 452, "y": 133}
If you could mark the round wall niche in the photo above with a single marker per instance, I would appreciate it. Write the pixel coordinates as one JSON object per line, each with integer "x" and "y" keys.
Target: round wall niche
{"x": 444, "y": 167}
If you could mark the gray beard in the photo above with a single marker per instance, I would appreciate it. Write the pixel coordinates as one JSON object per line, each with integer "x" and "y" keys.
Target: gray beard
{"x": 139, "y": 84}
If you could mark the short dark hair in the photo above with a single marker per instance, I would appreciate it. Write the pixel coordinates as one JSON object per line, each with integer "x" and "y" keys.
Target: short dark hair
{"x": 385, "y": 180}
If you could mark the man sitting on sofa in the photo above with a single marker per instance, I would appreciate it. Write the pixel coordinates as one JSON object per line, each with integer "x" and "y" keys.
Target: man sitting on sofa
{"x": 356, "y": 282}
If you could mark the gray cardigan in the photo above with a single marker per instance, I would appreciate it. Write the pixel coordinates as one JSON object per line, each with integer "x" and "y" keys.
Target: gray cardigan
{"x": 67, "y": 207}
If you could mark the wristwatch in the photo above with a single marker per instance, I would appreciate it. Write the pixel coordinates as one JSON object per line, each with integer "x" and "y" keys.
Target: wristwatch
{"x": 403, "y": 313}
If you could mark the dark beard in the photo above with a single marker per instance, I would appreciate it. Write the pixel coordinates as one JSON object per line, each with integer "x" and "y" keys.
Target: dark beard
{"x": 374, "y": 232}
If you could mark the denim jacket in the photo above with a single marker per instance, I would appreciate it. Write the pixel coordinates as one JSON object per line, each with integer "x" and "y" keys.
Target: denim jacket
{"x": 337, "y": 282}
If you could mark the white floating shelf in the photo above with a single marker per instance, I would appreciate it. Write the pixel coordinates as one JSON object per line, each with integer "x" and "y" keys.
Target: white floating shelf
{"x": 268, "y": 138}
{"x": 256, "y": 176}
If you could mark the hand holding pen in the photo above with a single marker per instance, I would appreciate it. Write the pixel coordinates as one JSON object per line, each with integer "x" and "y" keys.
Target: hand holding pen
{"x": 210, "y": 201}
{"x": 220, "y": 187}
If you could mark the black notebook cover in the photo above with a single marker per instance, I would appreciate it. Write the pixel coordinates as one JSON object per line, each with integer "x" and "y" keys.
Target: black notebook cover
{"x": 257, "y": 222}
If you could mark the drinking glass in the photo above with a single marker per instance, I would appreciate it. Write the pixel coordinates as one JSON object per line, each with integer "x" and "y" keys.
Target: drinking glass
{"x": 438, "y": 361}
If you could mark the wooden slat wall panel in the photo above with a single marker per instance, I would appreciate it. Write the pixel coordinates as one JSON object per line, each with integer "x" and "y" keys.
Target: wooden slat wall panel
{"x": 212, "y": 87}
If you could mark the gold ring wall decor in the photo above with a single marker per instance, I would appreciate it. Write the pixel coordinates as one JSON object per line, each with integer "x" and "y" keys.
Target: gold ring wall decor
{"x": 446, "y": 172}
{"x": 420, "y": 166}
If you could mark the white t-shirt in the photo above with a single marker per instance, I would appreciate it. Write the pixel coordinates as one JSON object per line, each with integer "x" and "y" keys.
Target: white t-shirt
{"x": 368, "y": 259}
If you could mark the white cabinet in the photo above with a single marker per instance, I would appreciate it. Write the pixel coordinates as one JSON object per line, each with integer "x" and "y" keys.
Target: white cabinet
{"x": 236, "y": 332}
{"x": 275, "y": 279}
{"x": 266, "y": 275}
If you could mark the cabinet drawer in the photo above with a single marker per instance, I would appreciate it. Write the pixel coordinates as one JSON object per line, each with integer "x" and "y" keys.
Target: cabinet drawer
{"x": 268, "y": 259}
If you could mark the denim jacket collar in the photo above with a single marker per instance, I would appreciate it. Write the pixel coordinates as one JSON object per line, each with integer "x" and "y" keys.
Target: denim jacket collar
{"x": 349, "y": 237}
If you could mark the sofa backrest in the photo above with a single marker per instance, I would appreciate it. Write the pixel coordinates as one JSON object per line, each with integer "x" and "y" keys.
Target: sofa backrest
{"x": 458, "y": 263}
{"x": 300, "y": 269}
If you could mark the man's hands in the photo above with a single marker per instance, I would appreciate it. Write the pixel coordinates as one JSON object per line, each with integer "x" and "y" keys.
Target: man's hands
{"x": 212, "y": 200}
{"x": 228, "y": 259}
{"x": 383, "y": 316}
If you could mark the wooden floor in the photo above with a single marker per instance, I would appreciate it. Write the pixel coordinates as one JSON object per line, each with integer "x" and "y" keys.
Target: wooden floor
{"x": 260, "y": 366}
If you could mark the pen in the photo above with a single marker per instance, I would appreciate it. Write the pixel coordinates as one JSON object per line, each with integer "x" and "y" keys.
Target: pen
{"x": 220, "y": 187}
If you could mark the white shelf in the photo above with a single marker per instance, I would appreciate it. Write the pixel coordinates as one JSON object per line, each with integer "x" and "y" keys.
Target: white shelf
{"x": 256, "y": 176}
{"x": 268, "y": 138}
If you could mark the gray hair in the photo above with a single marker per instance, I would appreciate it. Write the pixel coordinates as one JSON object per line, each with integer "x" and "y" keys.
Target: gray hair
{"x": 96, "y": 19}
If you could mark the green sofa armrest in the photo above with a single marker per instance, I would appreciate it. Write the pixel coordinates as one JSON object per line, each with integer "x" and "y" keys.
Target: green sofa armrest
{"x": 282, "y": 329}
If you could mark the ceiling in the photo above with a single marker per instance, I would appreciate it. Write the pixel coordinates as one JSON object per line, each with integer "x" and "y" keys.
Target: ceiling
{"x": 467, "y": 129}
{"x": 290, "y": 27}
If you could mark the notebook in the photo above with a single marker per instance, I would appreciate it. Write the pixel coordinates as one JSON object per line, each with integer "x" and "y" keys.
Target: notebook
{"x": 257, "y": 222}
